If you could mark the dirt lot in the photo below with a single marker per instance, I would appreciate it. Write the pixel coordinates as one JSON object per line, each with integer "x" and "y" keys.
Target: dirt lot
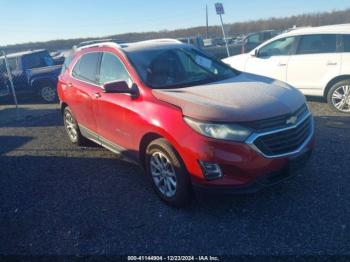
{"x": 60, "y": 199}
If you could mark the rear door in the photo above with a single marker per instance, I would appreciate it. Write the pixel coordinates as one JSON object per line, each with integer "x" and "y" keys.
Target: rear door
{"x": 316, "y": 62}
{"x": 82, "y": 89}
{"x": 272, "y": 59}
{"x": 345, "y": 68}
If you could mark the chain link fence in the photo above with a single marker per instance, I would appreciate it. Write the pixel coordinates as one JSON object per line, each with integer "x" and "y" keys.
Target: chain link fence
{"x": 6, "y": 82}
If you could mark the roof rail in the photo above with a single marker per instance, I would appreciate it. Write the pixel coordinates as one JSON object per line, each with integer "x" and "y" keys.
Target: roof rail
{"x": 109, "y": 44}
{"x": 161, "y": 40}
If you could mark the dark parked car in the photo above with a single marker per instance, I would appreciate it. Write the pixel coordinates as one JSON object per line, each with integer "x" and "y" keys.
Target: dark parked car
{"x": 58, "y": 57}
{"x": 33, "y": 72}
{"x": 254, "y": 39}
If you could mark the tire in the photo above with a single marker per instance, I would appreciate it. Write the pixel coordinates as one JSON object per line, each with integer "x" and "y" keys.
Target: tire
{"x": 338, "y": 96}
{"x": 160, "y": 149}
{"x": 72, "y": 128}
{"x": 48, "y": 93}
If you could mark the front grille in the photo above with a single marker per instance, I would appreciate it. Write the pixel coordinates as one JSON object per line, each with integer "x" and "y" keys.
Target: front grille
{"x": 286, "y": 141}
{"x": 277, "y": 122}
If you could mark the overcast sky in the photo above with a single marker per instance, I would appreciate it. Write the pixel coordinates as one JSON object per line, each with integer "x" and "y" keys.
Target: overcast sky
{"x": 41, "y": 20}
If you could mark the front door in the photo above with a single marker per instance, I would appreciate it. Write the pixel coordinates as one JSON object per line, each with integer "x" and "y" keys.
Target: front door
{"x": 271, "y": 60}
{"x": 114, "y": 111}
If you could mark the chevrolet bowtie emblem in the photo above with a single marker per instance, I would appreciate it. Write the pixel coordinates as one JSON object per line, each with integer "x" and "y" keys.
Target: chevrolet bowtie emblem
{"x": 292, "y": 120}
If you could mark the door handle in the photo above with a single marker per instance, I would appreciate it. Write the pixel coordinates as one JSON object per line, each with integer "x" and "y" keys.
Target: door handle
{"x": 281, "y": 64}
{"x": 97, "y": 95}
{"x": 331, "y": 63}
{"x": 70, "y": 85}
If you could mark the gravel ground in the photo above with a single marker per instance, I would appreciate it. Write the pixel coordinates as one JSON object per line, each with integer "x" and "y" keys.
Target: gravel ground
{"x": 59, "y": 199}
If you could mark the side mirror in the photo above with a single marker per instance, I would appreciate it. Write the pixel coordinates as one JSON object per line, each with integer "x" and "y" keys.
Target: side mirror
{"x": 120, "y": 87}
{"x": 255, "y": 53}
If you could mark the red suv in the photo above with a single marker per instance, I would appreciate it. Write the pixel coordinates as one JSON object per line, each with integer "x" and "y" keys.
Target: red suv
{"x": 190, "y": 120}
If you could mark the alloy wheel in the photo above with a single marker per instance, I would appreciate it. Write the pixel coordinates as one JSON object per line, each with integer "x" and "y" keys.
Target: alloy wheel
{"x": 341, "y": 98}
{"x": 163, "y": 174}
{"x": 70, "y": 126}
{"x": 48, "y": 93}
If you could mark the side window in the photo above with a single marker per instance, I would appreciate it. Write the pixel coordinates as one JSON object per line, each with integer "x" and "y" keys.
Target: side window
{"x": 86, "y": 68}
{"x": 112, "y": 69}
{"x": 12, "y": 63}
{"x": 267, "y": 35}
{"x": 66, "y": 63}
{"x": 317, "y": 44}
{"x": 278, "y": 47}
{"x": 254, "y": 38}
{"x": 346, "y": 43}
{"x": 37, "y": 60}
{"x": 2, "y": 66}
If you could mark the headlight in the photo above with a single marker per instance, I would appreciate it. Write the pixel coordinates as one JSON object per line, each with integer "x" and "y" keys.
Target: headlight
{"x": 220, "y": 131}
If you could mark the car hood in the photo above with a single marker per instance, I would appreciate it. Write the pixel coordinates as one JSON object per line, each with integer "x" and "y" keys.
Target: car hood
{"x": 238, "y": 61}
{"x": 246, "y": 97}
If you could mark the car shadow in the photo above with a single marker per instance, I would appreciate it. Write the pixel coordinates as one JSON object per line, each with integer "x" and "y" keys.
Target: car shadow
{"x": 23, "y": 100}
{"x": 27, "y": 117}
{"x": 316, "y": 99}
{"x": 10, "y": 143}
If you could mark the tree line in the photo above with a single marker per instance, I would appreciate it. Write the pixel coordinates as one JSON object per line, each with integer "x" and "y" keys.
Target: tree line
{"x": 310, "y": 19}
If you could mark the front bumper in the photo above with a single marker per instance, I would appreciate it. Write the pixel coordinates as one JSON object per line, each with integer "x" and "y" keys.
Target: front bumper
{"x": 243, "y": 167}
{"x": 261, "y": 182}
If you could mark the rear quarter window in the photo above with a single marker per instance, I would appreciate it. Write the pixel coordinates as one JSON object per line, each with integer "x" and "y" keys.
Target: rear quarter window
{"x": 66, "y": 63}
{"x": 346, "y": 41}
{"x": 86, "y": 68}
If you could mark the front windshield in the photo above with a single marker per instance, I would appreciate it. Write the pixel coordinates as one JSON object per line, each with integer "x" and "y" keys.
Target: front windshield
{"x": 178, "y": 67}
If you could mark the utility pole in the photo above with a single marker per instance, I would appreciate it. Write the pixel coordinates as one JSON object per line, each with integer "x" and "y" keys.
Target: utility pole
{"x": 9, "y": 75}
{"x": 206, "y": 12}
{"x": 220, "y": 11}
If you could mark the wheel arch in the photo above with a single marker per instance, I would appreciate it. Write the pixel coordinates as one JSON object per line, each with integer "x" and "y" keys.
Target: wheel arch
{"x": 63, "y": 105}
{"x": 333, "y": 82}
{"x": 145, "y": 141}
{"x": 39, "y": 82}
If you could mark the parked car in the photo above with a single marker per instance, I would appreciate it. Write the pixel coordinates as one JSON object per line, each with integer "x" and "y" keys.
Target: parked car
{"x": 190, "y": 120}
{"x": 195, "y": 41}
{"x": 4, "y": 87}
{"x": 96, "y": 41}
{"x": 33, "y": 72}
{"x": 316, "y": 60}
{"x": 252, "y": 40}
{"x": 57, "y": 57}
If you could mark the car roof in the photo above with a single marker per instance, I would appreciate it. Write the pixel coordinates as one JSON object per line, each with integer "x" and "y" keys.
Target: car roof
{"x": 18, "y": 54}
{"x": 329, "y": 29}
{"x": 136, "y": 46}
{"x": 263, "y": 31}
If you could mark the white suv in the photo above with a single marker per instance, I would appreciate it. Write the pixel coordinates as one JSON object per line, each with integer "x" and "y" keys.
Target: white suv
{"x": 316, "y": 60}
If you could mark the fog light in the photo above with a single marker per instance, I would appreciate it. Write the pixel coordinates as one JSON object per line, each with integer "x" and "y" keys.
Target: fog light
{"x": 210, "y": 171}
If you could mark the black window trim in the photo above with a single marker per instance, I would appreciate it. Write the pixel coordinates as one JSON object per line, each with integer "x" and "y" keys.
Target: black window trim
{"x": 342, "y": 42}
{"x": 337, "y": 50}
{"x": 100, "y": 65}
{"x": 97, "y": 69}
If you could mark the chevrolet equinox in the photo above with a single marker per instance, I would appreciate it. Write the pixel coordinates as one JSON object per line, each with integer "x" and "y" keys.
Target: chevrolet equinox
{"x": 190, "y": 120}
